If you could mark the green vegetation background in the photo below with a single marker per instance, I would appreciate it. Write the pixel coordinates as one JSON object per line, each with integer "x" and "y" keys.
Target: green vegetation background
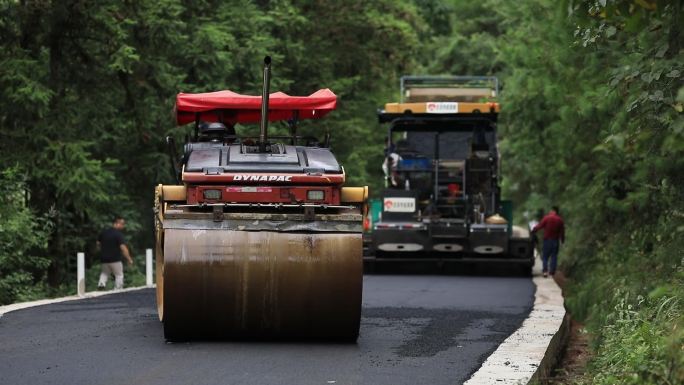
{"x": 592, "y": 98}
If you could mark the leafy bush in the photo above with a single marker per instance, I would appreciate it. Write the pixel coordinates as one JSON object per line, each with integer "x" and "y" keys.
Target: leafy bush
{"x": 593, "y": 98}
{"x": 641, "y": 341}
{"x": 633, "y": 302}
{"x": 23, "y": 242}
{"x": 87, "y": 90}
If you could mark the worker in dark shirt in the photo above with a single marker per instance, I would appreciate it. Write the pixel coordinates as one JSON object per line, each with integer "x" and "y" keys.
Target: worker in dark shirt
{"x": 554, "y": 235}
{"x": 112, "y": 247}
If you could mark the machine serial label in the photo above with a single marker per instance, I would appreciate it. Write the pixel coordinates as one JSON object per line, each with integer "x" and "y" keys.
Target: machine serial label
{"x": 400, "y": 205}
{"x": 441, "y": 108}
{"x": 263, "y": 178}
{"x": 249, "y": 189}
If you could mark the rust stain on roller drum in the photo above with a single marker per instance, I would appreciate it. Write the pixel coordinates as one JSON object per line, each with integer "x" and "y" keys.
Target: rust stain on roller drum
{"x": 261, "y": 284}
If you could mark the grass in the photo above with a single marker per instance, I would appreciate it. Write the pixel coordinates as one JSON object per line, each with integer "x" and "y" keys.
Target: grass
{"x": 630, "y": 294}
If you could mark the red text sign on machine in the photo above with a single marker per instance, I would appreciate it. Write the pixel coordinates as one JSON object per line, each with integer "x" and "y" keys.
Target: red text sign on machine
{"x": 442, "y": 108}
{"x": 400, "y": 205}
{"x": 263, "y": 178}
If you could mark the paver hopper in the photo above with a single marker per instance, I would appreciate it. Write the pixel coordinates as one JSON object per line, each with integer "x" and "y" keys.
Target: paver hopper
{"x": 259, "y": 239}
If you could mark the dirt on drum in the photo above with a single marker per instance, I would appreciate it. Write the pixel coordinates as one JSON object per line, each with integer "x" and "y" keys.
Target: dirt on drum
{"x": 261, "y": 284}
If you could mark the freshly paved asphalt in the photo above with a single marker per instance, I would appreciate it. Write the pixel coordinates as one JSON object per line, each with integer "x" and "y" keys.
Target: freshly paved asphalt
{"x": 415, "y": 330}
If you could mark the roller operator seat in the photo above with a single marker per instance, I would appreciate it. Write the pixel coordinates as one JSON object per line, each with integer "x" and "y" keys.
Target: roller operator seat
{"x": 216, "y": 132}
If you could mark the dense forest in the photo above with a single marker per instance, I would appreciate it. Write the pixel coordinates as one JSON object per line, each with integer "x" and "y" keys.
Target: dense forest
{"x": 592, "y": 95}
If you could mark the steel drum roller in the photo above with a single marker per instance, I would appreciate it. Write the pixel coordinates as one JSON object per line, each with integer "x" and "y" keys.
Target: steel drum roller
{"x": 259, "y": 240}
{"x": 260, "y": 284}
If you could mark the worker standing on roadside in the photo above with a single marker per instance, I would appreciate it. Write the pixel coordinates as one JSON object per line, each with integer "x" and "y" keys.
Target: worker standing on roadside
{"x": 112, "y": 247}
{"x": 554, "y": 236}
{"x": 531, "y": 225}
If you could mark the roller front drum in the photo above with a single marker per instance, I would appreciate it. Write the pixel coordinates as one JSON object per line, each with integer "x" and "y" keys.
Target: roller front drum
{"x": 260, "y": 284}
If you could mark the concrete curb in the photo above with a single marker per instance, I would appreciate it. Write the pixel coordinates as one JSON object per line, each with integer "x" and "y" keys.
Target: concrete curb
{"x": 92, "y": 294}
{"x": 553, "y": 353}
{"x": 531, "y": 352}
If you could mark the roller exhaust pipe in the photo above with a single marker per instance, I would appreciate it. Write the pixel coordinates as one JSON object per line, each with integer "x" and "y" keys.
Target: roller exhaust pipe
{"x": 263, "y": 134}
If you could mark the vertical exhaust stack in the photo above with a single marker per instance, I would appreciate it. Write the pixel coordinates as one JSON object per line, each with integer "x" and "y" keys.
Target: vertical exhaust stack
{"x": 263, "y": 135}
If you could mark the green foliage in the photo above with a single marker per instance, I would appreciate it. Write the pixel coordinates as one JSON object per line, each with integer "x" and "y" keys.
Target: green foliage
{"x": 592, "y": 122}
{"x": 642, "y": 341}
{"x": 23, "y": 241}
{"x": 87, "y": 91}
{"x": 465, "y": 37}
{"x": 632, "y": 303}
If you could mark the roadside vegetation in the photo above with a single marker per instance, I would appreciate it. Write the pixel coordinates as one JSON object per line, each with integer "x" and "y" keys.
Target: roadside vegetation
{"x": 592, "y": 94}
{"x": 594, "y": 98}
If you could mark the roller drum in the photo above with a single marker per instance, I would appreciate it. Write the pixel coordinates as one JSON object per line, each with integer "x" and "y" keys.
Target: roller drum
{"x": 260, "y": 284}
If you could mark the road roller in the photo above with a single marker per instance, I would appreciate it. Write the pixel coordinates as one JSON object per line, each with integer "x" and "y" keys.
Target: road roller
{"x": 259, "y": 238}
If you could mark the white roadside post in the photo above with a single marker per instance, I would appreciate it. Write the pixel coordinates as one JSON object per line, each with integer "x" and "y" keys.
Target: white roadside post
{"x": 80, "y": 273}
{"x": 148, "y": 267}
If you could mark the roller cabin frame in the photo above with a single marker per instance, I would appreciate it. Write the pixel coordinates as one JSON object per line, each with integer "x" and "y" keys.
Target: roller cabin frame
{"x": 274, "y": 186}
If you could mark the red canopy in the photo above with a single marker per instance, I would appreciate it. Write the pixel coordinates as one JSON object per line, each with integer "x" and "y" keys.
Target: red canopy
{"x": 236, "y": 108}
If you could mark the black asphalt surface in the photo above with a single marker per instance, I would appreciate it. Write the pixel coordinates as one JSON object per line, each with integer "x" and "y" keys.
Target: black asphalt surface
{"x": 415, "y": 330}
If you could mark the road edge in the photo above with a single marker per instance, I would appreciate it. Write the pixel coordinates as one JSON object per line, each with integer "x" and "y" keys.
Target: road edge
{"x": 531, "y": 352}
{"x": 91, "y": 294}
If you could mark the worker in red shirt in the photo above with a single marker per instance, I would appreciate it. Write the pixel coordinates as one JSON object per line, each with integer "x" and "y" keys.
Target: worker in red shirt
{"x": 554, "y": 235}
